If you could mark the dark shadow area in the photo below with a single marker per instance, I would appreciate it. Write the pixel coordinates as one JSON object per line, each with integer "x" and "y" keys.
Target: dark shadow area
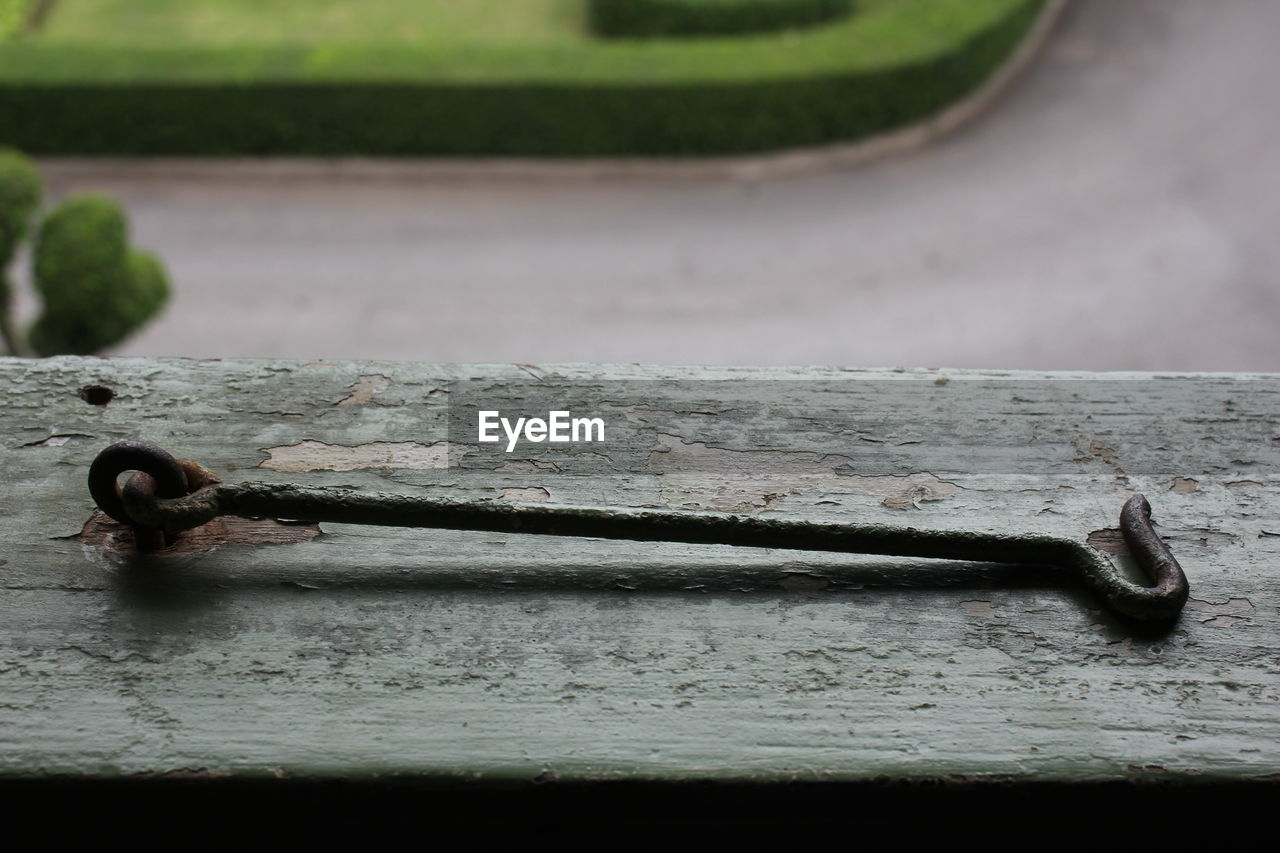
{"x": 193, "y": 812}
{"x": 150, "y": 576}
{"x": 168, "y": 588}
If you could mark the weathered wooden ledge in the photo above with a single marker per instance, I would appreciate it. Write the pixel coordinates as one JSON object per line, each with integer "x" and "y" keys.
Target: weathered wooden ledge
{"x": 261, "y": 648}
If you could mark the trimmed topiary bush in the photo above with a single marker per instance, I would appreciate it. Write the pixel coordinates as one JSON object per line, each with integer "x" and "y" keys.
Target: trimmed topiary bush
{"x": 96, "y": 290}
{"x": 664, "y": 18}
{"x": 19, "y": 195}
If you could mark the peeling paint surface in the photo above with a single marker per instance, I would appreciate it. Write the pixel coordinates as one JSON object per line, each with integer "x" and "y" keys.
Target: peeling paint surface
{"x": 978, "y": 609}
{"x": 365, "y": 389}
{"x": 1224, "y": 614}
{"x": 695, "y": 475}
{"x": 318, "y": 456}
{"x": 526, "y": 494}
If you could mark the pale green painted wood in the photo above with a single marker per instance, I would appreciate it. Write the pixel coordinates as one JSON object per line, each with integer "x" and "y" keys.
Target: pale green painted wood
{"x": 369, "y": 651}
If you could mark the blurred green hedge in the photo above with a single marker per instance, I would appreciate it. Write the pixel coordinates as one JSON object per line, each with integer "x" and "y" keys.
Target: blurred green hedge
{"x": 13, "y": 16}
{"x": 888, "y": 65}
{"x": 654, "y": 18}
{"x": 95, "y": 289}
{"x": 20, "y": 191}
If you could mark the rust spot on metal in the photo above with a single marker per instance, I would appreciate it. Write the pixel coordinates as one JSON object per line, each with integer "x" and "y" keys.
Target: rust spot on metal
{"x": 101, "y": 532}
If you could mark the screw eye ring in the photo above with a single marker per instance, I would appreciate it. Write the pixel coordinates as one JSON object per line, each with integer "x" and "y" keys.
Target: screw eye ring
{"x": 168, "y": 474}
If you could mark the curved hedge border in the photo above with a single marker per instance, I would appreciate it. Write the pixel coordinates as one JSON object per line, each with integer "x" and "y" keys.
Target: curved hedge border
{"x": 652, "y": 18}
{"x": 891, "y": 64}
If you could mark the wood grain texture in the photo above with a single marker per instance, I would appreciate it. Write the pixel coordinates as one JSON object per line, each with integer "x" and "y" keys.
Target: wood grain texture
{"x": 365, "y": 652}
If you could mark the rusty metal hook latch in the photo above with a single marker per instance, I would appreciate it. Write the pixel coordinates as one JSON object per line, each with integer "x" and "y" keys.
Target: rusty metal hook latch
{"x": 172, "y": 495}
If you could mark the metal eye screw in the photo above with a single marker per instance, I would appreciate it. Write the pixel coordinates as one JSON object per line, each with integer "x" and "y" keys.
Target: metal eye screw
{"x": 172, "y": 495}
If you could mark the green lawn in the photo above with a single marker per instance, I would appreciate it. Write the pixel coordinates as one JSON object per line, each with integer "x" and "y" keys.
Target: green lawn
{"x": 476, "y": 77}
{"x": 237, "y": 22}
{"x": 83, "y": 40}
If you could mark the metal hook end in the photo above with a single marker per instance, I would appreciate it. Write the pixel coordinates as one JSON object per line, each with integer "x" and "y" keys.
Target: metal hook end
{"x": 1169, "y": 590}
{"x": 168, "y": 474}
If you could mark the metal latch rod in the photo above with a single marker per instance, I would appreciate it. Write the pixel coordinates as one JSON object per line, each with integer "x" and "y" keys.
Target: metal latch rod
{"x": 172, "y": 495}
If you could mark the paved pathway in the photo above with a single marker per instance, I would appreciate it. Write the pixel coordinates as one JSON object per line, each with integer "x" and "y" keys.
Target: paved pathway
{"x": 1117, "y": 209}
